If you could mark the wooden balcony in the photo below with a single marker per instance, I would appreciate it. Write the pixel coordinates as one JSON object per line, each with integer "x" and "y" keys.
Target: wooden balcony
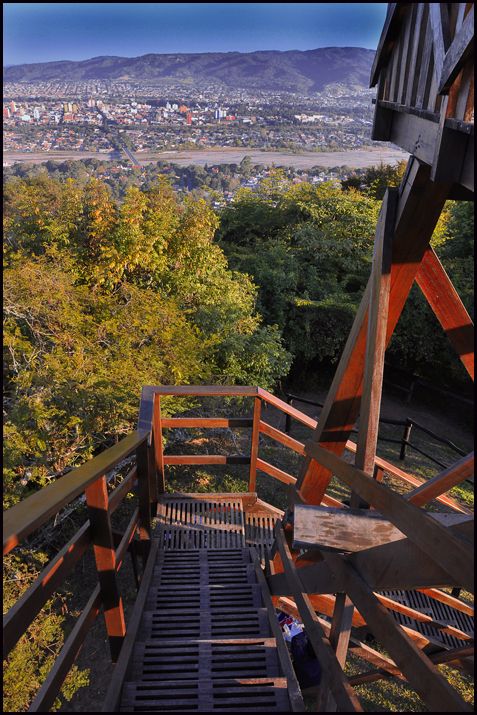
{"x": 424, "y": 74}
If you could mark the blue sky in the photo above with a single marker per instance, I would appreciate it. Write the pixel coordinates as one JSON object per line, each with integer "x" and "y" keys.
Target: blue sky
{"x": 41, "y": 32}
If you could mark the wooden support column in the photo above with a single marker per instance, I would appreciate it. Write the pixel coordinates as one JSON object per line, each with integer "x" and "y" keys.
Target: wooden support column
{"x": 376, "y": 339}
{"x": 158, "y": 447}
{"x": 339, "y": 636}
{"x": 105, "y": 556}
{"x": 447, "y": 307}
{"x": 418, "y": 210}
{"x": 257, "y": 408}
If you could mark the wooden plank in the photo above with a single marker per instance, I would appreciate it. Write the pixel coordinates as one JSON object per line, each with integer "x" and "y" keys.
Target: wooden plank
{"x": 456, "y": 55}
{"x": 390, "y": 30}
{"x": 282, "y": 438}
{"x": 286, "y": 408}
{"x": 158, "y": 445}
{"x": 455, "y": 474}
{"x": 22, "y": 613}
{"x": 275, "y": 472}
{"x": 47, "y": 694}
{"x": 383, "y": 117}
{"x": 419, "y": 207}
{"x": 341, "y": 626}
{"x": 425, "y": 68}
{"x": 257, "y": 408}
{"x": 350, "y": 530}
{"x": 416, "y": 615}
{"x": 439, "y": 16}
{"x": 407, "y": 51}
{"x": 448, "y": 656}
{"x": 417, "y": 45}
{"x": 376, "y": 336}
{"x": 105, "y": 557}
{"x": 448, "y": 308}
{"x": 332, "y": 673}
{"x": 418, "y": 669}
{"x": 31, "y": 513}
{"x": 207, "y": 422}
{"x": 448, "y": 600}
{"x": 113, "y": 695}
{"x": 118, "y": 494}
{"x": 415, "y": 134}
{"x": 206, "y": 390}
{"x": 127, "y": 537}
{"x": 294, "y": 693}
{"x": 454, "y": 554}
{"x": 407, "y": 478}
{"x": 205, "y": 459}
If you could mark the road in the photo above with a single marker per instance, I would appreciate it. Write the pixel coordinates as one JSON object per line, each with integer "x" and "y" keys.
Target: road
{"x": 356, "y": 158}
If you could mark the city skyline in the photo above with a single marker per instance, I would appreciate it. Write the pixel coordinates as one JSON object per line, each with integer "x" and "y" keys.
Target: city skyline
{"x": 48, "y": 32}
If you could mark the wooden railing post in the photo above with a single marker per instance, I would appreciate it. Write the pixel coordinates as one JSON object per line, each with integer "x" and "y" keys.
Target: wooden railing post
{"x": 143, "y": 473}
{"x": 152, "y": 475}
{"x": 405, "y": 438}
{"x": 158, "y": 447}
{"x": 105, "y": 556}
{"x": 257, "y": 408}
{"x": 287, "y": 417}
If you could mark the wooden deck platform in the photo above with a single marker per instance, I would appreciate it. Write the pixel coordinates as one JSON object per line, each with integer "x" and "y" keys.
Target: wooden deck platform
{"x": 215, "y": 521}
{"x": 204, "y": 635}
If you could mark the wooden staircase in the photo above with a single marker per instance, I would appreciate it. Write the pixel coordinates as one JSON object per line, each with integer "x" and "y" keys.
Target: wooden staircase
{"x": 204, "y": 634}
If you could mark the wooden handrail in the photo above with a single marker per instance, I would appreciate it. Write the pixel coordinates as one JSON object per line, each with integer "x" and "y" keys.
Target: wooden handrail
{"x": 31, "y": 513}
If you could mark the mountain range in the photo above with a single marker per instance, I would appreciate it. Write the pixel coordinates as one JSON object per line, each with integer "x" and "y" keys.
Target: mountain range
{"x": 294, "y": 70}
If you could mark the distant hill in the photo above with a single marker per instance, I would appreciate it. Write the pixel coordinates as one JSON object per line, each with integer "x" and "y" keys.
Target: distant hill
{"x": 306, "y": 71}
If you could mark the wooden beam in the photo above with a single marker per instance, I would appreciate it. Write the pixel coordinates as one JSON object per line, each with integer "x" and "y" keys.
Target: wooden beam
{"x": 439, "y": 16}
{"x": 419, "y": 207}
{"x": 461, "y": 48}
{"x": 275, "y": 472}
{"x": 255, "y": 443}
{"x": 451, "y": 552}
{"x": 376, "y": 338}
{"x": 282, "y": 438}
{"x": 418, "y": 669}
{"x": 332, "y": 673}
{"x": 455, "y": 474}
{"x": 205, "y": 459}
{"x": 447, "y": 307}
{"x": 207, "y": 422}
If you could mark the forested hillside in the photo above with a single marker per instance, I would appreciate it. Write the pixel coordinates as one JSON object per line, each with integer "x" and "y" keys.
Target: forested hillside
{"x": 104, "y": 295}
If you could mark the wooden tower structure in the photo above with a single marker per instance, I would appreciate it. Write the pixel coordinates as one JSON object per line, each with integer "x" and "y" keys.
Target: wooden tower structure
{"x": 203, "y": 635}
